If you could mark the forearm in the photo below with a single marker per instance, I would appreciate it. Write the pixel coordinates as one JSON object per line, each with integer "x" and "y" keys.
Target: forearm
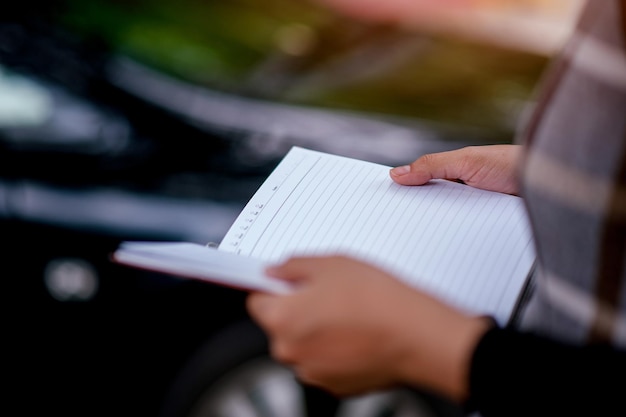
{"x": 515, "y": 374}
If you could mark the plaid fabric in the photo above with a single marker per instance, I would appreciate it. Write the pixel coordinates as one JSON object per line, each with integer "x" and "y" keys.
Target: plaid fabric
{"x": 574, "y": 184}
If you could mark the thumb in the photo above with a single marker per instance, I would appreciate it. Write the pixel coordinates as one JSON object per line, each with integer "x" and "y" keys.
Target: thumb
{"x": 297, "y": 269}
{"x": 442, "y": 165}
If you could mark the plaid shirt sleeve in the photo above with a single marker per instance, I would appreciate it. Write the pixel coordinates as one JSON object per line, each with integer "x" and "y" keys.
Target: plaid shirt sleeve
{"x": 569, "y": 355}
{"x": 574, "y": 184}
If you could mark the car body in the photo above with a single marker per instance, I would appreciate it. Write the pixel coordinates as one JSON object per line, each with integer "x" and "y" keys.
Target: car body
{"x": 97, "y": 147}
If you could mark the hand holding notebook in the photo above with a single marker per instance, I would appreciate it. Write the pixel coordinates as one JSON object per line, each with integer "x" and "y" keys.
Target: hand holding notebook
{"x": 470, "y": 247}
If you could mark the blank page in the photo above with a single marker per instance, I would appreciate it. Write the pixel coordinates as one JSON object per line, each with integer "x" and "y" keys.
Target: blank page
{"x": 471, "y": 247}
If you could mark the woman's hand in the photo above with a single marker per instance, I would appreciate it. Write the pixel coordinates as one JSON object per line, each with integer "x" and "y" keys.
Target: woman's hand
{"x": 492, "y": 167}
{"x": 351, "y": 328}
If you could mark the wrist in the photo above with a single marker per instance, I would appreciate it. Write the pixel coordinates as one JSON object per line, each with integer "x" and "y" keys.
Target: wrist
{"x": 461, "y": 353}
{"x": 442, "y": 363}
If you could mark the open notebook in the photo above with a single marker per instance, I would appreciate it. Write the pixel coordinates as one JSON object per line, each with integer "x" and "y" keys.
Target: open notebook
{"x": 470, "y": 247}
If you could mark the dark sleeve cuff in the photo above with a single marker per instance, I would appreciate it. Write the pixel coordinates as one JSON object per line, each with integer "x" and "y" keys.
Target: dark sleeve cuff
{"x": 514, "y": 373}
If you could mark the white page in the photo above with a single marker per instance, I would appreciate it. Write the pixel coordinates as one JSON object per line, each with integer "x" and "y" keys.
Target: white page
{"x": 470, "y": 247}
{"x": 192, "y": 260}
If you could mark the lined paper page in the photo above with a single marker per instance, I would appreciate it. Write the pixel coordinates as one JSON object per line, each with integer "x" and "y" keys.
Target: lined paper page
{"x": 471, "y": 247}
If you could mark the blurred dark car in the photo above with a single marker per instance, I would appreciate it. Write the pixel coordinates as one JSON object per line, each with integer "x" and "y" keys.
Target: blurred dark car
{"x": 97, "y": 147}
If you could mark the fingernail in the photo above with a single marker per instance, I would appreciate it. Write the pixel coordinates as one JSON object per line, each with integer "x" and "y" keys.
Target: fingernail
{"x": 402, "y": 170}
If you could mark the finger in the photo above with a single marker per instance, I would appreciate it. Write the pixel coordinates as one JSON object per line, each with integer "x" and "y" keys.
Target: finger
{"x": 441, "y": 165}
{"x": 259, "y": 304}
{"x": 274, "y": 314}
{"x": 297, "y": 269}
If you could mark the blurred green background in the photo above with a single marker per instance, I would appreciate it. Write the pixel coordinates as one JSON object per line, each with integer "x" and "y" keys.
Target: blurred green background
{"x": 296, "y": 52}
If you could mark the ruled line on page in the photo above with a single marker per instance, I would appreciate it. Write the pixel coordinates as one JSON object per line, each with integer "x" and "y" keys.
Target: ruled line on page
{"x": 289, "y": 212}
{"x": 280, "y": 178}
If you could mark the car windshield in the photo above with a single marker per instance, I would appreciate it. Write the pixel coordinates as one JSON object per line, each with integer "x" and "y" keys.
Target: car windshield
{"x": 298, "y": 52}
